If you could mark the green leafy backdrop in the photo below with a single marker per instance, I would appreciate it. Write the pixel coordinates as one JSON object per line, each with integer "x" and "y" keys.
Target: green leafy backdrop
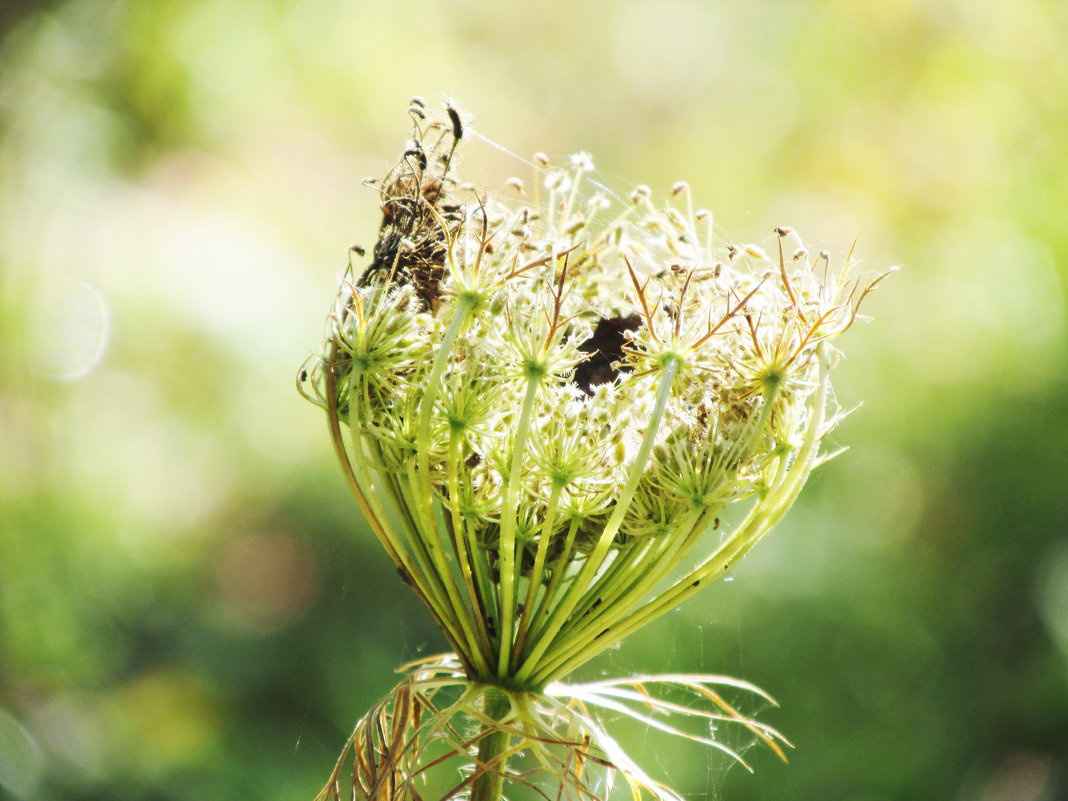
{"x": 190, "y": 606}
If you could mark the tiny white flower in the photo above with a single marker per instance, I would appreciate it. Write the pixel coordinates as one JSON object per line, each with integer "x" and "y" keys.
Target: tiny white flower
{"x": 582, "y": 162}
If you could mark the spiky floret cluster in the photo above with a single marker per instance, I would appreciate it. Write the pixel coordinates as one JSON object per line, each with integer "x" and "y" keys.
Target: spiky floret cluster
{"x": 551, "y": 398}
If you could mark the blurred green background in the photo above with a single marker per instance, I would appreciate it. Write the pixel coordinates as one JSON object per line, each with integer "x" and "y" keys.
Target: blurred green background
{"x": 190, "y": 605}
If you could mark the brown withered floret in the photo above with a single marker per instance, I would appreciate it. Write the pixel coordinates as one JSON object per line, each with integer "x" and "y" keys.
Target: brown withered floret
{"x": 418, "y": 213}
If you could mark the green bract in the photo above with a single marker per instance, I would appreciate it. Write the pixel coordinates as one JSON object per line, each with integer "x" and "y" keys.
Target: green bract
{"x": 544, "y": 403}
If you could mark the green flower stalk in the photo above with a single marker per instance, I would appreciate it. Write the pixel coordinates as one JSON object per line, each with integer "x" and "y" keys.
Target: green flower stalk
{"x": 543, "y": 403}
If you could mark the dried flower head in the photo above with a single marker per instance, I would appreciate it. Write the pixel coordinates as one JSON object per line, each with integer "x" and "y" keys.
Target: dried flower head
{"x": 548, "y": 403}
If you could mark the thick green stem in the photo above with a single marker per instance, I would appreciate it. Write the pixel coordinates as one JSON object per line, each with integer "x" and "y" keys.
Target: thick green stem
{"x": 508, "y": 526}
{"x": 764, "y": 516}
{"x": 422, "y": 490}
{"x": 586, "y": 576}
{"x": 618, "y": 603}
{"x": 538, "y": 571}
{"x": 378, "y": 521}
{"x": 460, "y": 544}
{"x": 492, "y": 749}
{"x": 559, "y": 570}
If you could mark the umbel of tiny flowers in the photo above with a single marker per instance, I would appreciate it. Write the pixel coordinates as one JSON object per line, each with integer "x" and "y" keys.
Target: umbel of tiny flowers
{"x": 543, "y": 401}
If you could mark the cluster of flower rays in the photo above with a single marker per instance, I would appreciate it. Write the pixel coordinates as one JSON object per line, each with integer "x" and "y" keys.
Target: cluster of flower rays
{"x": 543, "y": 400}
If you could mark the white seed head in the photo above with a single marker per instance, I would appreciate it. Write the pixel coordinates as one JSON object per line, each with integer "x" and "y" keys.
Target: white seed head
{"x": 582, "y": 162}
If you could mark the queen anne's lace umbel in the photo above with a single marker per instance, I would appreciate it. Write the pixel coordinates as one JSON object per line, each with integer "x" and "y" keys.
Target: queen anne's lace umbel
{"x": 544, "y": 399}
